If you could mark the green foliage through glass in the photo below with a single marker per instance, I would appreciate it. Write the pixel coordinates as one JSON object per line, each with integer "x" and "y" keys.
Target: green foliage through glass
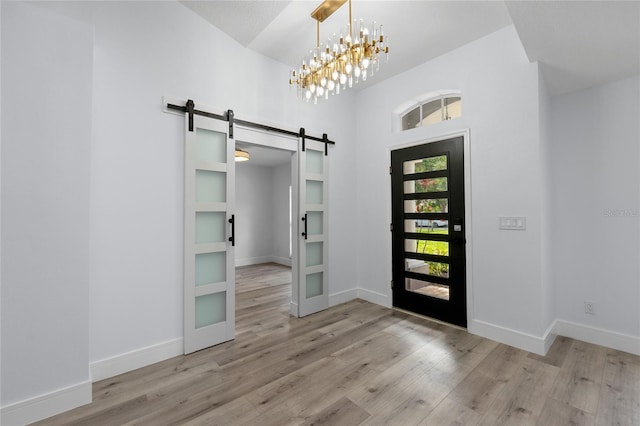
{"x": 431, "y": 164}
{"x": 439, "y": 248}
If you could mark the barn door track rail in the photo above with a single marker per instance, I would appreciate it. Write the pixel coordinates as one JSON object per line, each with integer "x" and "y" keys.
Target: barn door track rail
{"x": 189, "y": 108}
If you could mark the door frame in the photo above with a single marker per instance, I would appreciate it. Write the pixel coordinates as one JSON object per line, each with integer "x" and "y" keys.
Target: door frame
{"x": 265, "y": 138}
{"x": 465, "y": 133}
{"x": 288, "y": 143}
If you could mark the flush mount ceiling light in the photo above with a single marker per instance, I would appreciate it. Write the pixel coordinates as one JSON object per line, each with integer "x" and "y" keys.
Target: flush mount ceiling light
{"x": 241, "y": 155}
{"x": 342, "y": 61}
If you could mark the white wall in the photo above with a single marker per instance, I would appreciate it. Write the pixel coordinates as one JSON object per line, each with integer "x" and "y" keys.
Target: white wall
{"x": 46, "y": 140}
{"x": 262, "y": 218}
{"x": 133, "y": 262}
{"x": 596, "y": 212}
{"x": 500, "y": 107}
{"x": 144, "y": 51}
{"x": 280, "y": 182}
{"x": 254, "y": 217}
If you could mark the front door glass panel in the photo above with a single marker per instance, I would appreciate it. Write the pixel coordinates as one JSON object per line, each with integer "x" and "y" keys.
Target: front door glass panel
{"x": 420, "y": 186}
{"x": 436, "y": 248}
{"x": 436, "y": 269}
{"x": 427, "y": 205}
{"x": 430, "y": 164}
{"x": 427, "y": 226}
{"x": 426, "y": 288}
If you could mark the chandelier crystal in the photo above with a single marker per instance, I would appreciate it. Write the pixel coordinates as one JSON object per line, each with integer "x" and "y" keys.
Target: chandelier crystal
{"x": 343, "y": 61}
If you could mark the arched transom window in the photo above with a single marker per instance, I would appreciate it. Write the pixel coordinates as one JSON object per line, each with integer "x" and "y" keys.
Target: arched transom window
{"x": 433, "y": 111}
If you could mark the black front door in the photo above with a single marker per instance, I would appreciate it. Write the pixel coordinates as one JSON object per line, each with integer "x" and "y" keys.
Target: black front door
{"x": 427, "y": 185}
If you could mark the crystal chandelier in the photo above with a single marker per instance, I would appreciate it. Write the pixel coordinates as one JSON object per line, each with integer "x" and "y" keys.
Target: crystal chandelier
{"x": 342, "y": 61}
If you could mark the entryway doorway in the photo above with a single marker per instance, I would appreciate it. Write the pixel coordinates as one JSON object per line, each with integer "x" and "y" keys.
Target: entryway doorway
{"x": 428, "y": 230}
{"x": 264, "y": 219}
{"x": 263, "y": 211}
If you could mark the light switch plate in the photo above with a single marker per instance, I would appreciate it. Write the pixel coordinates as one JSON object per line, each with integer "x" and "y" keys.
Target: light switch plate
{"x": 518, "y": 223}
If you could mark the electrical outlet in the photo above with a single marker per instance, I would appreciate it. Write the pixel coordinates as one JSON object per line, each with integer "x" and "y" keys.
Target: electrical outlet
{"x": 589, "y": 308}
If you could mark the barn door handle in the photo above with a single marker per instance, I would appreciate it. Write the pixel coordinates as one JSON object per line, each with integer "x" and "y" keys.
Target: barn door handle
{"x": 232, "y": 238}
{"x": 304, "y": 219}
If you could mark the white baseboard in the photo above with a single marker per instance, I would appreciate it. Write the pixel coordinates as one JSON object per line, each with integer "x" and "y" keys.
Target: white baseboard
{"x": 518, "y": 339}
{"x": 286, "y": 261}
{"x": 263, "y": 259}
{"x": 599, "y": 336}
{"x": 536, "y": 344}
{"x": 109, "y": 367}
{"x": 293, "y": 309}
{"x": 374, "y": 297}
{"x": 343, "y": 296}
{"x": 253, "y": 261}
{"x": 47, "y": 405}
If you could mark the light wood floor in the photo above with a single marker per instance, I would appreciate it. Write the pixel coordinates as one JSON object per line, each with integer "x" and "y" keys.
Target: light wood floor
{"x": 362, "y": 364}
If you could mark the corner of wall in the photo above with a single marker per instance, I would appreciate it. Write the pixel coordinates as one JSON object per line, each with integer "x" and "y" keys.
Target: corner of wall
{"x": 374, "y": 297}
{"x": 342, "y": 296}
{"x": 525, "y": 341}
{"x": 546, "y": 175}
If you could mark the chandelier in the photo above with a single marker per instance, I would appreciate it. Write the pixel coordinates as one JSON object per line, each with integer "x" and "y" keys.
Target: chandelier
{"x": 342, "y": 61}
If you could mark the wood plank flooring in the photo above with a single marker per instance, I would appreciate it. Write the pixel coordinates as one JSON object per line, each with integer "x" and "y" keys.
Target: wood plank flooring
{"x": 362, "y": 364}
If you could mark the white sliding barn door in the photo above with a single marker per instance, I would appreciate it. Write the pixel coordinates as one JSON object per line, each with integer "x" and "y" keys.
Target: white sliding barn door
{"x": 209, "y": 203}
{"x": 313, "y": 168}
